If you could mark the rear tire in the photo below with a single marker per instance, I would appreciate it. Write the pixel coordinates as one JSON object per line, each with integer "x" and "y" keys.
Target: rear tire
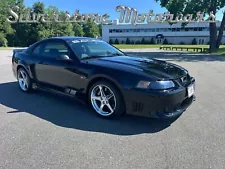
{"x": 106, "y": 100}
{"x": 24, "y": 80}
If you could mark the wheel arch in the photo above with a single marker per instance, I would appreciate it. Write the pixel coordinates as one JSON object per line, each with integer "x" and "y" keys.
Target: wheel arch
{"x": 22, "y": 65}
{"x": 107, "y": 79}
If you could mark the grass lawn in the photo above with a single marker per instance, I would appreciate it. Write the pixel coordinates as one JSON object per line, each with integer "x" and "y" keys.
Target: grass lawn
{"x": 7, "y": 48}
{"x": 138, "y": 46}
{"x": 142, "y": 46}
{"x": 221, "y": 51}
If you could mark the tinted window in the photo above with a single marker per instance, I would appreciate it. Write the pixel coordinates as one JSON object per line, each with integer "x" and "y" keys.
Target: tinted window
{"x": 51, "y": 49}
{"x": 36, "y": 50}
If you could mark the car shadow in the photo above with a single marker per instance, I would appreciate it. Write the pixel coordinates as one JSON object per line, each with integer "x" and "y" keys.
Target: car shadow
{"x": 179, "y": 56}
{"x": 69, "y": 113}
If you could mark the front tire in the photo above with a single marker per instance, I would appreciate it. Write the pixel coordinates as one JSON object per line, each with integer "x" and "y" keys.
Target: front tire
{"x": 24, "y": 80}
{"x": 106, "y": 100}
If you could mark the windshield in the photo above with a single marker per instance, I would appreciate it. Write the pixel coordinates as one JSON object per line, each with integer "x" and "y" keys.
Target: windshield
{"x": 93, "y": 48}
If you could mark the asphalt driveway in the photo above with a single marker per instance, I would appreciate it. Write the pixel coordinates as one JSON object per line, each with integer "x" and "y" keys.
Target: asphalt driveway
{"x": 47, "y": 130}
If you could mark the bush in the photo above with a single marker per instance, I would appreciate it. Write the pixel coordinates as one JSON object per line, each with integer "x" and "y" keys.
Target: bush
{"x": 152, "y": 41}
{"x": 194, "y": 41}
{"x": 3, "y": 40}
{"x": 110, "y": 41}
{"x": 165, "y": 42}
{"x": 143, "y": 41}
{"x": 117, "y": 41}
{"x": 128, "y": 41}
{"x": 138, "y": 42}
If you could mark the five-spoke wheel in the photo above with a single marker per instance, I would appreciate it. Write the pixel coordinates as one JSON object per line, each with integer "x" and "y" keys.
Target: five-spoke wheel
{"x": 105, "y": 99}
{"x": 23, "y": 80}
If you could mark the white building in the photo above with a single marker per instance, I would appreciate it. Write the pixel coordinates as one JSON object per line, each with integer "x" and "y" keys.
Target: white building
{"x": 175, "y": 34}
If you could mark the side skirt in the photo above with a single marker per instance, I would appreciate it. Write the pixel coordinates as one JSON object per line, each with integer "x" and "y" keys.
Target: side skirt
{"x": 64, "y": 91}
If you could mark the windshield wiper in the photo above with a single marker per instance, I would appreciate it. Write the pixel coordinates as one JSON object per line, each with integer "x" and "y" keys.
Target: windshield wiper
{"x": 91, "y": 57}
{"x": 115, "y": 54}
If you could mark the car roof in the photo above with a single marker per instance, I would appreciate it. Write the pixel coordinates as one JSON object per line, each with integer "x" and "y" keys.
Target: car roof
{"x": 66, "y": 38}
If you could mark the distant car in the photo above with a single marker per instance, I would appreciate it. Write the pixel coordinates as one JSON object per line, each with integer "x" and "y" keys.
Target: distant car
{"x": 111, "y": 81}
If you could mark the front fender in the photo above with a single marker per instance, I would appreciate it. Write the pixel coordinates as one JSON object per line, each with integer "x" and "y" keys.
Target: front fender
{"x": 98, "y": 77}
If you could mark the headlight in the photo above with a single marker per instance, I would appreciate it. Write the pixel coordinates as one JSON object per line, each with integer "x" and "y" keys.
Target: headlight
{"x": 157, "y": 85}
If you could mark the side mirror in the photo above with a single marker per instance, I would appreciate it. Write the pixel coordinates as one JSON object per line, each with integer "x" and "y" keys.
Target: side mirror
{"x": 64, "y": 58}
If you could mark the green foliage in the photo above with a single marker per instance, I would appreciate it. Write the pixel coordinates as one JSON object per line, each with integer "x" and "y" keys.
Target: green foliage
{"x": 152, "y": 41}
{"x": 194, "y": 41}
{"x": 128, "y": 41}
{"x": 3, "y": 40}
{"x": 117, "y": 42}
{"x": 143, "y": 41}
{"x": 165, "y": 41}
{"x": 5, "y": 27}
{"x": 91, "y": 29}
{"x": 138, "y": 42}
{"x": 25, "y": 34}
{"x": 78, "y": 30}
{"x": 111, "y": 41}
{"x": 194, "y": 6}
{"x": 100, "y": 29}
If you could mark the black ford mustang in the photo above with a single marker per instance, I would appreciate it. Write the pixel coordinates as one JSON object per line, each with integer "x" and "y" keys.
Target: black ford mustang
{"x": 111, "y": 81}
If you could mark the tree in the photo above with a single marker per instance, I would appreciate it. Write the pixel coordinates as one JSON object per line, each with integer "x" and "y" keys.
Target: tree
{"x": 194, "y": 6}
{"x": 91, "y": 29}
{"x": 5, "y": 27}
{"x": 127, "y": 41}
{"x": 152, "y": 41}
{"x": 194, "y": 41}
{"x": 78, "y": 30}
{"x": 111, "y": 41}
{"x": 143, "y": 41}
{"x": 138, "y": 42}
{"x": 100, "y": 29}
{"x": 117, "y": 41}
{"x": 165, "y": 42}
{"x": 3, "y": 40}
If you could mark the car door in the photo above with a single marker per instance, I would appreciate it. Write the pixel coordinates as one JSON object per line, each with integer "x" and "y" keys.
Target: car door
{"x": 49, "y": 70}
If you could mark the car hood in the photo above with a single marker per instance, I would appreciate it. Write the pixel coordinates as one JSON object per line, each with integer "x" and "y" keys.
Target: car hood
{"x": 156, "y": 68}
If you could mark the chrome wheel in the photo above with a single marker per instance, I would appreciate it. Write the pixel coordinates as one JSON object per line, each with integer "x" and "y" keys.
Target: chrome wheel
{"x": 103, "y": 100}
{"x": 23, "y": 80}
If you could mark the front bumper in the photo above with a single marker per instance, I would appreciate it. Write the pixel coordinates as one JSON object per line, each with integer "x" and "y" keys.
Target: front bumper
{"x": 158, "y": 104}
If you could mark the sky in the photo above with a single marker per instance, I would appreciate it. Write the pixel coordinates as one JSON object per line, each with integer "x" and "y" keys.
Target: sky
{"x": 105, "y": 6}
